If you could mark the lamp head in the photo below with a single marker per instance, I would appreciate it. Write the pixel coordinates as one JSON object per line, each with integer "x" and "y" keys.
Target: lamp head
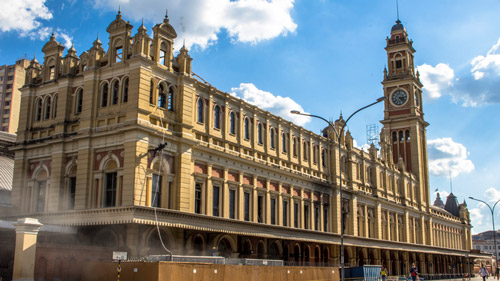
{"x": 295, "y": 112}
{"x": 381, "y": 99}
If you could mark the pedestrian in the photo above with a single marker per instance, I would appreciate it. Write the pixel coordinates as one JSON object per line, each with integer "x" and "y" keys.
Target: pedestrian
{"x": 483, "y": 272}
{"x": 383, "y": 273}
{"x": 414, "y": 272}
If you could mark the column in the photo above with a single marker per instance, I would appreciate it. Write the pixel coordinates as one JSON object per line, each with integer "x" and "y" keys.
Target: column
{"x": 267, "y": 208}
{"x": 241, "y": 199}
{"x": 378, "y": 221}
{"x": 353, "y": 216}
{"x": 336, "y": 212}
{"x": 279, "y": 204}
{"x": 301, "y": 221}
{"x": 209, "y": 192}
{"x": 365, "y": 230}
{"x": 25, "y": 251}
{"x": 225, "y": 196}
{"x": 321, "y": 226}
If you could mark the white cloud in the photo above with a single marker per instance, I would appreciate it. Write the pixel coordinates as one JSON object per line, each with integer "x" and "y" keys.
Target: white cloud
{"x": 23, "y": 15}
{"x": 486, "y": 65}
{"x": 447, "y": 156}
{"x": 45, "y": 32}
{"x": 199, "y": 22}
{"x": 492, "y": 194}
{"x": 278, "y": 105}
{"x": 436, "y": 80}
{"x": 476, "y": 216}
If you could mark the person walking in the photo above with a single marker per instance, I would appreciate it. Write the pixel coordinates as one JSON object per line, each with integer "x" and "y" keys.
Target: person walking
{"x": 413, "y": 272}
{"x": 383, "y": 273}
{"x": 483, "y": 272}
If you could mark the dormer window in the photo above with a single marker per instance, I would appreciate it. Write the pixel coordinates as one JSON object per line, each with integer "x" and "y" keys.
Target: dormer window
{"x": 162, "y": 57}
{"x": 119, "y": 54}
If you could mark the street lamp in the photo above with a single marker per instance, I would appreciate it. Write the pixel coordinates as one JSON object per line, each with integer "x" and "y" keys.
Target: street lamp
{"x": 494, "y": 231}
{"x": 339, "y": 136}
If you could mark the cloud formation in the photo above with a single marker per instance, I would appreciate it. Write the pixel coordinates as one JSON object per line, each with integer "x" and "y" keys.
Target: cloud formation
{"x": 474, "y": 86}
{"x": 448, "y": 157}
{"x": 436, "y": 80}
{"x": 200, "y": 22}
{"x": 23, "y": 15}
{"x": 277, "y": 105}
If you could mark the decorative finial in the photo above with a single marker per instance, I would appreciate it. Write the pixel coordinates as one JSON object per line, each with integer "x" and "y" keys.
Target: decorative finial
{"x": 397, "y": 11}
{"x": 340, "y": 114}
{"x": 166, "y": 16}
{"x": 451, "y": 185}
{"x": 119, "y": 10}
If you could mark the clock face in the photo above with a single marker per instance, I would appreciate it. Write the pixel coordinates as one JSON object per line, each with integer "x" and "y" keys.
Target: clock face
{"x": 399, "y": 97}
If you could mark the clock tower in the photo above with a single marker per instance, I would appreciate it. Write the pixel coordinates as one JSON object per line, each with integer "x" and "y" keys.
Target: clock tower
{"x": 404, "y": 124}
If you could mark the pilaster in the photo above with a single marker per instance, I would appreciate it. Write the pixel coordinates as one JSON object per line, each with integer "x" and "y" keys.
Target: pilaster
{"x": 25, "y": 251}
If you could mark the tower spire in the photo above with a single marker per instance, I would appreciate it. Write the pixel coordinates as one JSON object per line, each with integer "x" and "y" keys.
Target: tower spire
{"x": 397, "y": 10}
{"x": 451, "y": 185}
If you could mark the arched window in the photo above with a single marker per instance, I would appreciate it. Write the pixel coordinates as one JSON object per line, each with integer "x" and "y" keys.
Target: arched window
{"x": 306, "y": 150}
{"x": 272, "y": 138}
{"x": 115, "y": 86}
{"x": 315, "y": 154}
{"x": 170, "y": 99}
{"x": 259, "y": 133}
{"x": 283, "y": 142}
{"x": 200, "y": 110}
{"x": 401, "y": 138}
{"x": 54, "y": 107}
{"x": 46, "y": 114}
{"x": 125, "y": 90}
{"x": 232, "y": 123}
{"x": 38, "y": 107}
{"x": 104, "y": 95}
{"x": 162, "y": 97}
{"x": 163, "y": 53}
{"x": 247, "y": 128}
{"x": 407, "y": 135}
{"x": 295, "y": 147}
{"x": 151, "y": 92}
{"x": 79, "y": 101}
{"x": 323, "y": 157}
{"x": 394, "y": 137}
{"x": 217, "y": 117}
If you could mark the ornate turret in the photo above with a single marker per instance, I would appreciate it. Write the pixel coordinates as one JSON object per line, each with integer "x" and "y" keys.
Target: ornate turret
{"x": 452, "y": 205}
{"x": 52, "y": 61}
{"x": 184, "y": 62}
{"x": 95, "y": 54}
{"x": 120, "y": 47}
{"x": 438, "y": 202}
{"x": 70, "y": 62}
{"x": 163, "y": 43}
{"x": 33, "y": 72}
{"x": 142, "y": 42}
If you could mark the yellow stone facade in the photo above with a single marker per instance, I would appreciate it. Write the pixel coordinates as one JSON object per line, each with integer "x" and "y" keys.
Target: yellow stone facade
{"x": 113, "y": 138}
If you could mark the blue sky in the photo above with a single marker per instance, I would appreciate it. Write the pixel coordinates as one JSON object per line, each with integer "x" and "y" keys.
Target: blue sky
{"x": 322, "y": 57}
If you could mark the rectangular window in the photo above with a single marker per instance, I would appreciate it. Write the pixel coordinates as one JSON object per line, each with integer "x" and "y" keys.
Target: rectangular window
{"x": 316, "y": 217}
{"x": 162, "y": 57}
{"x": 110, "y": 190}
{"x": 156, "y": 191}
{"x": 52, "y": 73}
{"x": 296, "y": 215}
{"x": 197, "y": 198}
{"x": 285, "y": 213}
{"x": 119, "y": 54}
{"x": 232, "y": 201}
{"x": 273, "y": 210}
{"x": 9, "y": 86}
{"x": 399, "y": 64}
{"x": 306, "y": 216}
{"x": 246, "y": 199}
{"x": 325, "y": 217}
{"x": 10, "y": 78}
{"x": 215, "y": 206}
{"x": 260, "y": 208}
{"x": 71, "y": 192}
{"x": 40, "y": 203}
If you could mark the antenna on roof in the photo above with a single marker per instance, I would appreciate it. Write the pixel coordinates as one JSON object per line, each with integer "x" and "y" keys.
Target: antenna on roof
{"x": 451, "y": 186}
{"x": 397, "y": 9}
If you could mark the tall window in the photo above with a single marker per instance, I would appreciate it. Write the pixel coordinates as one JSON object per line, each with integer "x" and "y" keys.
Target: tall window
{"x": 46, "y": 114}
{"x": 306, "y": 150}
{"x": 162, "y": 97}
{"x": 151, "y": 92}
{"x": 40, "y": 202}
{"x": 296, "y": 214}
{"x": 200, "y": 110}
{"x": 259, "y": 133}
{"x": 170, "y": 105}
{"x": 260, "y": 208}
{"x": 38, "y": 115}
{"x": 247, "y": 128}
{"x": 295, "y": 144}
{"x": 114, "y": 92}
{"x": 197, "y": 198}
{"x": 232, "y": 201}
{"x": 71, "y": 192}
{"x": 217, "y": 117}
{"x": 110, "y": 189}
{"x": 283, "y": 142}
{"x": 323, "y": 157}
{"x": 79, "y": 101}
{"x": 285, "y": 213}
{"x": 306, "y": 216}
{"x": 215, "y": 206}
{"x": 325, "y": 217}
{"x": 119, "y": 54}
{"x": 246, "y": 201}
{"x": 273, "y": 210}
{"x": 272, "y": 137}
{"x": 156, "y": 191}
{"x": 316, "y": 217}
{"x": 232, "y": 123}
{"x": 104, "y": 95}
{"x": 54, "y": 107}
{"x": 162, "y": 56}
{"x": 125, "y": 90}
{"x": 52, "y": 72}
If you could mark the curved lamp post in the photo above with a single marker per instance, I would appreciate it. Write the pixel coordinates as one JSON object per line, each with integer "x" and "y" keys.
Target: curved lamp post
{"x": 494, "y": 231}
{"x": 339, "y": 135}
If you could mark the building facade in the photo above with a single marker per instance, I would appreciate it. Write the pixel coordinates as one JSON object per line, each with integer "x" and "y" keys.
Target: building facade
{"x": 11, "y": 80}
{"x": 120, "y": 142}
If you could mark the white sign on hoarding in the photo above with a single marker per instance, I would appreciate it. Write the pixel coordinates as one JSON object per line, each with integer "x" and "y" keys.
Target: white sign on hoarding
{"x": 119, "y": 256}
